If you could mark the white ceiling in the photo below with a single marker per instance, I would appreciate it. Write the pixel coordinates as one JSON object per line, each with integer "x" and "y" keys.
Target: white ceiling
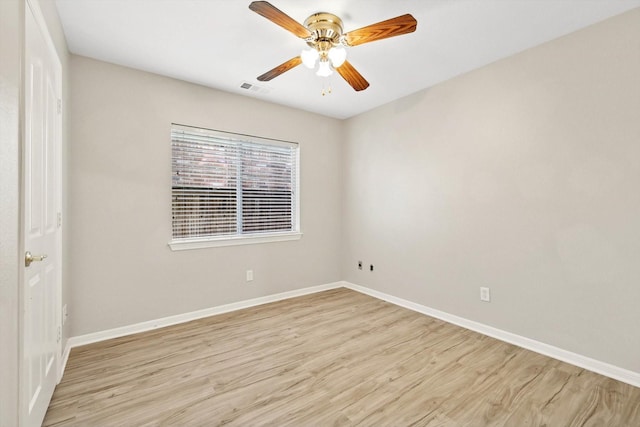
{"x": 222, "y": 44}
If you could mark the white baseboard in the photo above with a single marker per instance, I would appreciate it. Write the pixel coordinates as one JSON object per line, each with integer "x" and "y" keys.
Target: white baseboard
{"x": 186, "y": 317}
{"x": 615, "y": 372}
{"x": 606, "y": 369}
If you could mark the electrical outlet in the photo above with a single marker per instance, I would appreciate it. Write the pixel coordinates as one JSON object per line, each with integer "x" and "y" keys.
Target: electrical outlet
{"x": 359, "y": 265}
{"x": 249, "y": 275}
{"x": 371, "y": 267}
{"x": 65, "y": 314}
{"x": 485, "y": 294}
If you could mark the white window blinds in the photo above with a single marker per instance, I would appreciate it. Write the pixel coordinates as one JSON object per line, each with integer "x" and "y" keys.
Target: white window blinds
{"x": 226, "y": 184}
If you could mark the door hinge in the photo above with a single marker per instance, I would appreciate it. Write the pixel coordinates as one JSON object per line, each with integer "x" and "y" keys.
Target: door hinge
{"x": 59, "y": 219}
{"x": 59, "y": 106}
{"x": 59, "y": 334}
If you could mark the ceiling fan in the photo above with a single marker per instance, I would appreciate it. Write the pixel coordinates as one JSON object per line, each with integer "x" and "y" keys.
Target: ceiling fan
{"x": 324, "y": 35}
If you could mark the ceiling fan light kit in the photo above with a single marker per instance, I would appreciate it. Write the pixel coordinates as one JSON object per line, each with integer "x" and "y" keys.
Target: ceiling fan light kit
{"x": 324, "y": 69}
{"x": 337, "y": 55}
{"x": 309, "y": 57}
{"x": 323, "y": 33}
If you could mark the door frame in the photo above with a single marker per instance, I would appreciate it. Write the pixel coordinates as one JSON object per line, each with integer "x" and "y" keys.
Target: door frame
{"x": 11, "y": 18}
{"x": 33, "y": 7}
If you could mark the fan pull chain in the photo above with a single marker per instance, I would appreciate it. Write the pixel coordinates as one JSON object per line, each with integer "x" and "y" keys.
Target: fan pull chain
{"x": 326, "y": 91}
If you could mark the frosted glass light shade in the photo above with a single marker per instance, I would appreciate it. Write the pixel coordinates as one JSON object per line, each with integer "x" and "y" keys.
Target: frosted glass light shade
{"x": 309, "y": 57}
{"x": 337, "y": 55}
{"x": 324, "y": 69}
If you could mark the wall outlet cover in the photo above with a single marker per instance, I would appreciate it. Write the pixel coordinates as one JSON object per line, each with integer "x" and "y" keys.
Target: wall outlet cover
{"x": 485, "y": 294}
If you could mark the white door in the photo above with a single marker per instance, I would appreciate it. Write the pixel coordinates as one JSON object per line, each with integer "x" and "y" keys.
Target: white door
{"x": 41, "y": 218}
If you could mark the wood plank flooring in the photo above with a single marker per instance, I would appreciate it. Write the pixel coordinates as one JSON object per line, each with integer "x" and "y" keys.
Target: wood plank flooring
{"x": 332, "y": 358}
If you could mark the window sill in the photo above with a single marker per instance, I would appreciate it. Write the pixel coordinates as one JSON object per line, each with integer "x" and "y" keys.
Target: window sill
{"x": 214, "y": 242}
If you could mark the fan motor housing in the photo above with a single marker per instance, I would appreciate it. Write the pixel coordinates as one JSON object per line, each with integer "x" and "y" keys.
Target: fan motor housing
{"x": 325, "y": 28}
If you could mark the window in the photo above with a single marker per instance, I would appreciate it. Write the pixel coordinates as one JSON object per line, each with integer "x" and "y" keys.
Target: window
{"x": 231, "y": 189}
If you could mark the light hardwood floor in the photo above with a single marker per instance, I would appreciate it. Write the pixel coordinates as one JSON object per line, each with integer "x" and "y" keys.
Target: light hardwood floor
{"x": 333, "y": 358}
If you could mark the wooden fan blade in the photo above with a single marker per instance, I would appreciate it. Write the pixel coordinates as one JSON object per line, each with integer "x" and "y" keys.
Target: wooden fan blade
{"x": 278, "y": 17}
{"x": 390, "y": 28}
{"x": 285, "y": 66}
{"x": 352, "y": 76}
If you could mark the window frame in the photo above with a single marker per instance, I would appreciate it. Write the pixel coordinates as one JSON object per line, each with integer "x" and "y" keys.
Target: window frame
{"x": 201, "y": 242}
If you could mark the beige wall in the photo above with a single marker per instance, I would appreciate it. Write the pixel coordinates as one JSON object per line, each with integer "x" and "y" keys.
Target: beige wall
{"x": 522, "y": 176}
{"x": 122, "y": 270}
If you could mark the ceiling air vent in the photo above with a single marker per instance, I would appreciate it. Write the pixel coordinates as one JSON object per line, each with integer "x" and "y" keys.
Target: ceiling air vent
{"x": 252, "y": 87}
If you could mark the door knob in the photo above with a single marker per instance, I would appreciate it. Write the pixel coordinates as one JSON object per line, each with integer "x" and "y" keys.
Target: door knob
{"x": 28, "y": 258}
